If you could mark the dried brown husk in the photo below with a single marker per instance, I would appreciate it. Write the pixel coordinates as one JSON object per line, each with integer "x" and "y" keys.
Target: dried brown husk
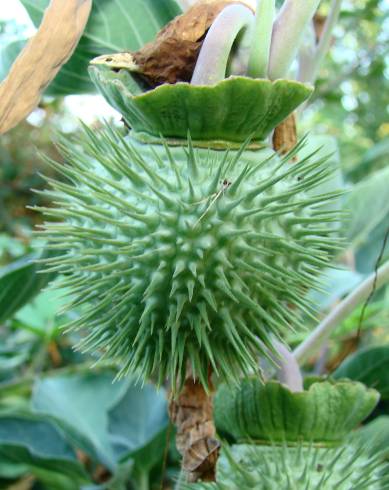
{"x": 285, "y": 136}
{"x": 192, "y": 413}
{"x": 171, "y": 58}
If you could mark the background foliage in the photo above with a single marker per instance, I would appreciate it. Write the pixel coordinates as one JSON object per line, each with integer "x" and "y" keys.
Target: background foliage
{"x": 64, "y": 426}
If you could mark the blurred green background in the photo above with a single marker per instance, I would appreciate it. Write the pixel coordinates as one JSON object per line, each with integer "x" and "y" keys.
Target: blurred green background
{"x": 64, "y": 426}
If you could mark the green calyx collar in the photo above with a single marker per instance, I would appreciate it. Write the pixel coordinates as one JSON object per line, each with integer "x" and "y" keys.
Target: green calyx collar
{"x": 232, "y": 110}
{"x": 322, "y": 415}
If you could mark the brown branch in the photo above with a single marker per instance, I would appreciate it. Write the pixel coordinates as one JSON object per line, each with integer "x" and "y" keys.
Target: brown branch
{"x": 285, "y": 135}
{"x": 41, "y": 59}
{"x": 192, "y": 413}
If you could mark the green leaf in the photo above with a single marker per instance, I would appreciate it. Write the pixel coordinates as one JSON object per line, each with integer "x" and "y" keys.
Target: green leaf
{"x": 8, "y": 53}
{"x": 113, "y": 26}
{"x": 139, "y": 416}
{"x": 20, "y": 281}
{"x": 40, "y": 437}
{"x": 41, "y": 314}
{"x": 137, "y": 425}
{"x": 375, "y": 154}
{"x": 79, "y": 403}
{"x": 369, "y": 366}
{"x": 30, "y": 443}
{"x": 368, "y": 205}
{"x": 119, "y": 424}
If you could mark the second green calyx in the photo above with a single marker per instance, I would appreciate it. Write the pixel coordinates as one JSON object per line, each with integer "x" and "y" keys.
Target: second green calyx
{"x": 323, "y": 414}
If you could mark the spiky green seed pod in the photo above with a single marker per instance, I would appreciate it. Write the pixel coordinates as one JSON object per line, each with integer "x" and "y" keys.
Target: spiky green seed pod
{"x": 183, "y": 254}
{"x": 298, "y": 468}
{"x": 189, "y": 248}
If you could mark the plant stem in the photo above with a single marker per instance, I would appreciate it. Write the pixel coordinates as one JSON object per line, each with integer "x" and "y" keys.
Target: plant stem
{"x": 192, "y": 413}
{"x": 341, "y": 312}
{"x": 143, "y": 481}
{"x": 288, "y": 32}
{"x": 261, "y": 40}
{"x": 310, "y": 73}
{"x": 288, "y": 370}
{"x": 212, "y": 62}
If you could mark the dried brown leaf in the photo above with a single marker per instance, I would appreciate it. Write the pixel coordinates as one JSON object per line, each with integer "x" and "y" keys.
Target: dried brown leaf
{"x": 41, "y": 59}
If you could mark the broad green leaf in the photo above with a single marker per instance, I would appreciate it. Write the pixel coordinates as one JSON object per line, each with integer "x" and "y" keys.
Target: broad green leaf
{"x": 20, "y": 281}
{"x": 29, "y": 443}
{"x": 79, "y": 403}
{"x": 139, "y": 416}
{"x": 8, "y": 54}
{"x": 39, "y": 436}
{"x": 367, "y": 255}
{"x": 368, "y": 206}
{"x": 116, "y": 423}
{"x": 375, "y": 154}
{"x": 370, "y": 366}
{"x": 113, "y": 26}
{"x": 137, "y": 425}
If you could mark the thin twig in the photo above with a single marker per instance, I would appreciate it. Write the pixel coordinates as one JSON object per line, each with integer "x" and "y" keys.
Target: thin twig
{"x": 342, "y": 310}
{"x": 374, "y": 288}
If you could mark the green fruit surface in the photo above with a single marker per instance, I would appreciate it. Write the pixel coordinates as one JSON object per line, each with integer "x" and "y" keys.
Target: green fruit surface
{"x": 325, "y": 413}
{"x": 183, "y": 254}
{"x": 301, "y": 468}
{"x": 232, "y": 110}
